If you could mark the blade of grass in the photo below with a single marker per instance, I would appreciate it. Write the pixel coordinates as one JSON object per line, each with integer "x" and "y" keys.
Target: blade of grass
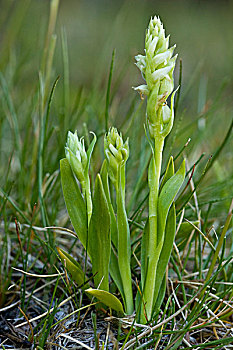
{"x": 220, "y": 148}
{"x": 108, "y": 91}
{"x": 16, "y": 16}
{"x": 40, "y": 158}
{"x": 15, "y": 206}
{"x": 54, "y": 5}
{"x": 12, "y": 114}
{"x": 219, "y": 245}
{"x": 66, "y": 78}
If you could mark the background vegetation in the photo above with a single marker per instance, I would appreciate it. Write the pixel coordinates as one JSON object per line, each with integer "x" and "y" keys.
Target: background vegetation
{"x": 36, "y": 49}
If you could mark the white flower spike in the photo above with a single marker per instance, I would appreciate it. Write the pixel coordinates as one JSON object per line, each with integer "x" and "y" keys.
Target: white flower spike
{"x": 116, "y": 152}
{"x": 157, "y": 66}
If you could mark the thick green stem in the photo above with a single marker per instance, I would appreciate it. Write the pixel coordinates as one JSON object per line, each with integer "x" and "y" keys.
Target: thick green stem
{"x": 124, "y": 246}
{"x": 152, "y": 256}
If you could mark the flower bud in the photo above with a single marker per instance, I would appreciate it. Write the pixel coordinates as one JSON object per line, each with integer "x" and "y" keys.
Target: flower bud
{"x": 116, "y": 152}
{"x": 76, "y": 155}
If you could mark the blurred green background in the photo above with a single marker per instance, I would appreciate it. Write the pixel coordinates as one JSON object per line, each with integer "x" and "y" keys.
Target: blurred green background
{"x": 202, "y": 31}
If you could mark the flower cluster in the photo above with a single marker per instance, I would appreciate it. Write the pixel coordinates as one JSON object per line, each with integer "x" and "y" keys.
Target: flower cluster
{"x": 76, "y": 155}
{"x": 157, "y": 66}
{"x": 116, "y": 152}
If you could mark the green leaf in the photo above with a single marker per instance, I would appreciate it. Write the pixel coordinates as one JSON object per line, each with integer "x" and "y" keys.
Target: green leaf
{"x": 186, "y": 228}
{"x": 99, "y": 240}
{"x": 113, "y": 267}
{"x": 168, "y": 173}
{"x": 107, "y": 298}
{"x": 104, "y": 177}
{"x": 124, "y": 246}
{"x": 166, "y": 197}
{"x": 108, "y": 91}
{"x": 74, "y": 201}
{"x": 160, "y": 297}
{"x": 73, "y": 267}
{"x": 89, "y": 152}
{"x": 164, "y": 257}
{"x": 144, "y": 252}
{"x": 115, "y": 272}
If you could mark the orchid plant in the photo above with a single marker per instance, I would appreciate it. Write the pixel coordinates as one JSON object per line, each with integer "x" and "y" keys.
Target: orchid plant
{"x": 102, "y": 225}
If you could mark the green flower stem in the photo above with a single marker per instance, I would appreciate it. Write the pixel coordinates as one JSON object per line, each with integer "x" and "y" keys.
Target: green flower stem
{"x": 124, "y": 246}
{"x": 156, "y": 66}
{"x": 153, "y": 180}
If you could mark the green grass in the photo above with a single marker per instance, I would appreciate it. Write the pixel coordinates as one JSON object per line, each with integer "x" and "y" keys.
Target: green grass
{"x": 37, "y": 109}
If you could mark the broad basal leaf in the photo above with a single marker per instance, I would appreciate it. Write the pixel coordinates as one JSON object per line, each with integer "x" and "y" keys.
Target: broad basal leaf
{"x": 186, "y": 228}
{"x": 73, "y": 267}
{"x": 168, "y": 173}
{"x": 113, "y": 267}
{"x": 166, "y": 197}
{"x": 99, "y": 240}
{"x": 74, "y": 201}
{"x": 107, "y": 298}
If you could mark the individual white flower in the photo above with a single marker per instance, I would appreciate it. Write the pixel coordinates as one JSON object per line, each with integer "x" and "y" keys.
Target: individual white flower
{"x": 143, "y": 89}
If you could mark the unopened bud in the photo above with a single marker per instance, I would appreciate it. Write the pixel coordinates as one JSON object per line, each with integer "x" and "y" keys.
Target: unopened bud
{"x": 116, "y": 152}
{"x": 76, "y": 155}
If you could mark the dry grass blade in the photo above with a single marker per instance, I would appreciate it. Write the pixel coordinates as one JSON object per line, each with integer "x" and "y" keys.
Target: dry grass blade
{"x": 62, "y": 230}
{"x": 40, "y": 276}
{"x": 29, "y": 323}
{"x": 51, "y": 310}
{"x": 202, "y": 234}
{"x": 75, "y": 341}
